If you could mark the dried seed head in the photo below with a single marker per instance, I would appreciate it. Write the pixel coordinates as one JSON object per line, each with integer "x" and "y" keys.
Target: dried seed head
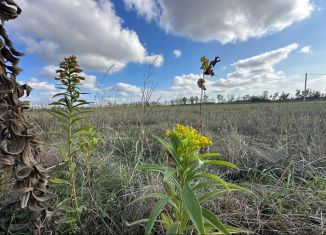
{"x": 201, "y": 84}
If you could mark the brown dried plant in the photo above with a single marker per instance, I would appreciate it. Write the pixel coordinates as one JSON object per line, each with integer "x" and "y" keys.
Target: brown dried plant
{"x": 208, "y": 70}
{"x": 19, "y": 146}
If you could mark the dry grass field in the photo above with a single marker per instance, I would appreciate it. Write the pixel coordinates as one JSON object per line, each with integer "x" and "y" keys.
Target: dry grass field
{"x": 280, "y": 149}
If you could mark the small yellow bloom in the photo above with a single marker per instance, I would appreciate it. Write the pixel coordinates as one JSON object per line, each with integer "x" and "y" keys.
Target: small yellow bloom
{"x": 168, "y": 133}
{"x": 194, "y": 140}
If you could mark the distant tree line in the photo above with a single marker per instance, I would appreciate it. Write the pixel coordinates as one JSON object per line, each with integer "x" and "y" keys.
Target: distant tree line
{"x": 264, "y": 97}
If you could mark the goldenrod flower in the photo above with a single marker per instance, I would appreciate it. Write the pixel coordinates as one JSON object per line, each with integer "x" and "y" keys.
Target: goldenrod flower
{"x": 168, "y": 133}
{"x": 192, "y": 140}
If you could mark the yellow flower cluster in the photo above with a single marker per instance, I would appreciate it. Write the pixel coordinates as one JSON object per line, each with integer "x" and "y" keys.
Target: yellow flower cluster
{"x": 194, "y": 139}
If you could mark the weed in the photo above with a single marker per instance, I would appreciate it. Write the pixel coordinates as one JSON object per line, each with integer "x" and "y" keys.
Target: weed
{"x": 183, "y": 181}
{"x": 67, "y": 109}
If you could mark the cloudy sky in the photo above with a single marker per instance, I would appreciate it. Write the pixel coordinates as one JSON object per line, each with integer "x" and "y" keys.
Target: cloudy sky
{"x": 264, "y": 45}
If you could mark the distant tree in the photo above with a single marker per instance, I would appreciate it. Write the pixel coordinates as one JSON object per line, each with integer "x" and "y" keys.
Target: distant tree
{"x": 305, "y": 93}
{"x": 275, "y": 96}
{"x": 196, "y": 99}
{"x": 264, "y": 96}
{"x": 284, "y": 96}
{"x": 230, "y": 98}
{"x": 192, "y": 100}
{"x": 255, "y": 99}
{"x": 184, "y": 100}
{"x": 246, "y": 97}
{"x": 220, "y": 98}
{"x": 314, "y": 95}
{"x": 298, "y": 94}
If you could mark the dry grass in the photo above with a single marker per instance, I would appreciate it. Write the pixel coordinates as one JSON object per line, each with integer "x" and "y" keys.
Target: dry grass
{"x": 280, "y": 149}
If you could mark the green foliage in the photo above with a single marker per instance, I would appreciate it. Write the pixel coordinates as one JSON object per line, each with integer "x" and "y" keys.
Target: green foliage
{"x": 183, "y": 181}
{"x": 79, "y": 140}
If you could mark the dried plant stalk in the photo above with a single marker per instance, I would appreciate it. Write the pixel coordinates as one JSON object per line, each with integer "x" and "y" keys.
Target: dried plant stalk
{"x": 19, "y": 146}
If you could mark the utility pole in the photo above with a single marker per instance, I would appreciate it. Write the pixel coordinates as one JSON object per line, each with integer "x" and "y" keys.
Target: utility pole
{"x": 305, "y": 87}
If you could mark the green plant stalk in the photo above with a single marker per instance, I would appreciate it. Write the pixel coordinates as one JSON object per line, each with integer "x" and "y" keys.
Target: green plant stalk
{"x": 69, "y": 115}
{"x": 72, "y": 171}
{"x": 86, "y": 147}
{"x": 179, "y": 192}
{"x": 201, "y": 100}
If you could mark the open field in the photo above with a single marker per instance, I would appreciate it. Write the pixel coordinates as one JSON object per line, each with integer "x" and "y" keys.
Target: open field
{"x": 280, "y": 149}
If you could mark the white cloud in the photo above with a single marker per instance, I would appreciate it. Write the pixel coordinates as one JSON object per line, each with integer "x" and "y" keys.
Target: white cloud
{"x": 177, "y": 53}
{"x": 145, "y": 8}
{"x": 227, "y": 20}
{"x": 250, "y": 76}
{"x": 257, "y": 73}
{"x": 54, "y": 29}
{"x": 49, "y": 71}
{"x": 317, "y": 83}
{"x": 187, "y": 83}
{"x": 156, "y": 60}
{"x": 305, "y": 50}
{"x": 124, "y": 89}
{"x": 39, "y": 85}
{"x": 89, "y": 82}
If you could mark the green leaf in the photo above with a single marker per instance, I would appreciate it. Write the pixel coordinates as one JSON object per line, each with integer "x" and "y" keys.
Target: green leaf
{"x": 80, "y": 209}
{"x": 75, "y": 120}
{"x": 64, "y": 155}
{"x": 168, "y": 148}
{"x": 214, "y": 177}
{"x": 80, "y": 130}
{"x": 57, "y": 103}
{"x": 168, "y": 188}
{"x": 150, "y": 195}
{"x": 79, "y": 112}
{"x": 66, "y": 208}
{"x": 214, "y": 194}
{"x": 169, "y": 172}
{"x": 154, "y": 214}
{"x": 152, "y": 167}
{"x": 60, "y": 113}
{"x": 81, "y": 102}
{"x": 193, "y": 208}
{"x": 207, "y": 155}
{"x": 166, "y": 220}
{"x": 213, "y": 220}
{"x": 237, "y": 187}
{"x": 172, "y": 230}
{"x": 67, "y": 220}
{"x": 221, "y": 163}
{"x": 232, "y": 230}
{"x": 190, "y": 174}
{"x": 59, "y": 181}
{"x": 205, "y": 184}
{"x": 67, "y": 200}
{"x": 58, "y": 94}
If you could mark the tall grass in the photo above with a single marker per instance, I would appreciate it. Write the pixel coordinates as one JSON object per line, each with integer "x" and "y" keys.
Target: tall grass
{"x": 280, "y": 149}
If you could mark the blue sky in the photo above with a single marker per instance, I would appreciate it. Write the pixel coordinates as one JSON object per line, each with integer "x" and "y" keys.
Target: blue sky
{"x": 263, "y": 45}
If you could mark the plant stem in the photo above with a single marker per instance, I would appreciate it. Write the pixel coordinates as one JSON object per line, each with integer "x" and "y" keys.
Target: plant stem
{"x": 200, "y": 105}
{"x": 201, "y": 98}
